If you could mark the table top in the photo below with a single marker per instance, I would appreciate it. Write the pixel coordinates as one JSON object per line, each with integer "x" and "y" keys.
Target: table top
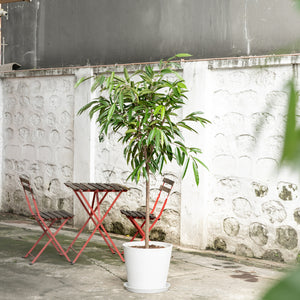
{"x": 100, "y": 187}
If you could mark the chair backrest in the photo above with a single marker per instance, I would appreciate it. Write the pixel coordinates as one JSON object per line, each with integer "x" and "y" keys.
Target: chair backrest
{"x": 164, "y": 191}
{"x": 29, "y": 195}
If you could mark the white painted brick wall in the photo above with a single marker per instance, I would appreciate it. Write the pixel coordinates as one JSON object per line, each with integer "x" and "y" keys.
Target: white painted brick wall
{"x": 243, "y": 204}
{"x": 37, "y": 140}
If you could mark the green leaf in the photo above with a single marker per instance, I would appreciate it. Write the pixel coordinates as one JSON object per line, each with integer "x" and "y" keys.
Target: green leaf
{"x": 146, "y": 116}
{"x": 184, "y": 150}
{"x": 170, "y": 58}
{"x": 200, "y": 162}
{"x": 121, "y": 101}
{"x": 138, "y": 175}
{"x": 161, "y": 63}
{"x": 196, "y": 172}
{"x": 166, "y": 71}
{"x": 291, "y": 146}
{"x": 161, "y": 163}
{"x": 95, "y": 109}
{"x": 99, "y": 80}
{"x": 145, "y": 173}
{"x": 166, "y": 138}
{"x": 126, "y": 75}
{"x": 186, "y": 167}
{"x": 169, "y": 153}
{"x": 86, "y": 107}
{"x": 162, "y": 112}
{"x": 157, "y": 110}
{"x": 183, "y": 55}
{"x": 149, "y": 71}
{"x": 157, "y": 138}
{"x": 110, "y": 112}
{"x": 130, "y": 131}
{"x": 178, "y": 156}
{"x": 132, "y": 140}
{"x": 81, "y": 80}
{"x": 146, "y": 92}
{"x": 184, "y": 125}
{"x": 181, "y": 85}
{"x": 151, "y": 136}
{"x": 162, "y": 139}
{"x": 195, "y": 150}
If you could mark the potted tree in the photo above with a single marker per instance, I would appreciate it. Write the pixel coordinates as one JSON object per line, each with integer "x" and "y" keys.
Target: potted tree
{"x": 144, "y": 107}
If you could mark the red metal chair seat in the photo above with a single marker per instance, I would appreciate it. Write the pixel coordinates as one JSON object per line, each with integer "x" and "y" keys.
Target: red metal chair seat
{"x": 42, "y": 218}
{"x": 132, "y": 216}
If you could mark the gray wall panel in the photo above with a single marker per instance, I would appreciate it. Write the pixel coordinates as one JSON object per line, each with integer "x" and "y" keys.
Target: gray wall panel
{"x": 54, "y": 33}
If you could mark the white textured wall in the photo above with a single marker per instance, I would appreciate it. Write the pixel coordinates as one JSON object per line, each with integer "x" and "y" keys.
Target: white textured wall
{"x": 37, "y": 136}
{"x": 243, "y": 204}
{"x": 252, "y": 208}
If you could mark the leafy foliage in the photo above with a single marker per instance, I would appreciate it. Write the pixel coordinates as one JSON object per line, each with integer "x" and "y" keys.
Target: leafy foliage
{"x": 297, "y": 3}
{"x": 287, "y": 288}
{"x": 291, "y": 147}
{"x": 146, "y": 106}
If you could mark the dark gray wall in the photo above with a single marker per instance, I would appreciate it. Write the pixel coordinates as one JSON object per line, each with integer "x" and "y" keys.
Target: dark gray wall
{"x": 54, "y": 33}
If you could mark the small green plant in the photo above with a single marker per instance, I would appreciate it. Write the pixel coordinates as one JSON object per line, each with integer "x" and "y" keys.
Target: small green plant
{"x": 145, "y": 107}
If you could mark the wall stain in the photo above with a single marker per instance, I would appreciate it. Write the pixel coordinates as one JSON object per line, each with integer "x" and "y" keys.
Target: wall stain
{"x": 247, "y": 276}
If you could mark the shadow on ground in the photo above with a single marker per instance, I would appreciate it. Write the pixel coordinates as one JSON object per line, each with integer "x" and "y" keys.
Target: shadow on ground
{"x": 99, "y": 274}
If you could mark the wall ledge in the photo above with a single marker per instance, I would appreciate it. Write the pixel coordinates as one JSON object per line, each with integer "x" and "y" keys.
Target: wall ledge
{"x": 213, "y": 63}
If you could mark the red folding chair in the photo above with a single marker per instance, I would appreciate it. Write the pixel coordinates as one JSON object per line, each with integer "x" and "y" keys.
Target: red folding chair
{"x": 45, "y": 219}
{"x": 133, "y": 216}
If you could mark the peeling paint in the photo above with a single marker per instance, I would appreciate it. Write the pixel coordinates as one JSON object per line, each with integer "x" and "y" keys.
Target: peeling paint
{"x": 287, "y": 191}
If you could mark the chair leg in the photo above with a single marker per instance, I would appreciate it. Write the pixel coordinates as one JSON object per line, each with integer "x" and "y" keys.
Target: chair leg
{"x": 78, "y": 234}
{"x": 43, "y": 234}
{"x": 41, "y": 251}
{"x": 137, "y": 232}
{"x": 29, "y": 252}
{"x": 138, "y": 227}
{"x": 56, "y": 242}
{"x": 52, "y": 239}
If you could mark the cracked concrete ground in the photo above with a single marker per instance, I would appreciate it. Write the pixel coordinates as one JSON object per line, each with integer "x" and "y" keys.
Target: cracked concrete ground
{"x": 98, "y": 274}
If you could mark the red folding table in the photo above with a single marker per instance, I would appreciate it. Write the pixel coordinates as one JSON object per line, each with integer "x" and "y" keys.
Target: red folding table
{"x": 100, "y": 191}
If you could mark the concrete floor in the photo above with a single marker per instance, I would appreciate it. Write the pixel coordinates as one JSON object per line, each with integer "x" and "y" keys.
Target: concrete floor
{"x": 98, "y": 274}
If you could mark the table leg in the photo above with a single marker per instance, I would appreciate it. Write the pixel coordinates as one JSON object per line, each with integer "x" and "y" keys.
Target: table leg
{"x": 92, "y": 211}
{"x": 85, "y": 244}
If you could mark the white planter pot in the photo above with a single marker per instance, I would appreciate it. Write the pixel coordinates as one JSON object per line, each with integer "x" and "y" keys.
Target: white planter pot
{"x": 147, "y": 269}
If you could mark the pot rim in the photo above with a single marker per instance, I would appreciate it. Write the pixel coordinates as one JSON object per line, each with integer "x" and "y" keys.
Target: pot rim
{"x": 139, "y": 243}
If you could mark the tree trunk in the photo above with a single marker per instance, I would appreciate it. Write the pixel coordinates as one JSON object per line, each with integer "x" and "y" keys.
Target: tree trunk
{"x": 147, "y": 224}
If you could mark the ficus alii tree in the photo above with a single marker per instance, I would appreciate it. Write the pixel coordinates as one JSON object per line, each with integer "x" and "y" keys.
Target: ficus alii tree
{"x": 144, "y": 107}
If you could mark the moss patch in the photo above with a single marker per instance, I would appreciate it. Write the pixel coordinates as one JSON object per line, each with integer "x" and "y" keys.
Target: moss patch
{"x": 274, "y": 255}
{"x": 118, "y": 228}
{"x": 220, "y": 244}
{"x": 157, "y": 235}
